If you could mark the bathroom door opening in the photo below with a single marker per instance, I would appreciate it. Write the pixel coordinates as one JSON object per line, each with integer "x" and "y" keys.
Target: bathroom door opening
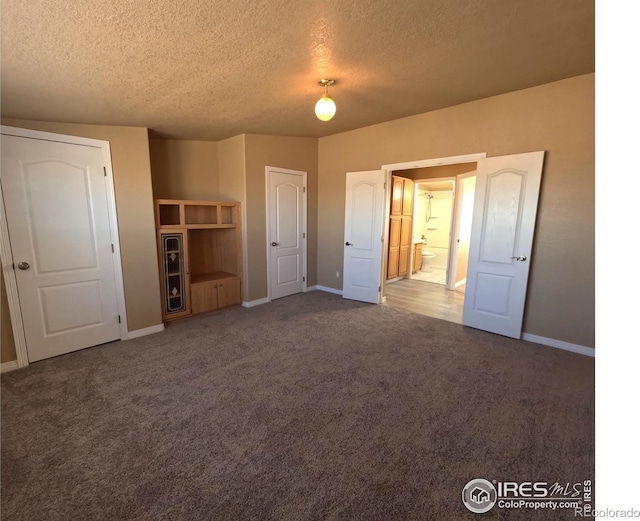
{"x": 432, "y": 229}
{"x": 415, "y": 291}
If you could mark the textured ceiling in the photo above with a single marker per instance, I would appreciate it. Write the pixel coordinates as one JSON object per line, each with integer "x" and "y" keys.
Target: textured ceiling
{"x": 213, "y": 69}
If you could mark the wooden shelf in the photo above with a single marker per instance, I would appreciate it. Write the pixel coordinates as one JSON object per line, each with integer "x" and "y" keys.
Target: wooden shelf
{"x": 209, "y": 277}
{"x": 178, "y": 213}
{"x": 208, "y": 236}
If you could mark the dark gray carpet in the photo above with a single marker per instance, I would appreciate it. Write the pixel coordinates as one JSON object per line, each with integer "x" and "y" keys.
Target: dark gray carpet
{"x": 311, "y": 407}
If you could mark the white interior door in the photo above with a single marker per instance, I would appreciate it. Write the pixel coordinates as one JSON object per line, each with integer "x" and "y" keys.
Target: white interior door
{"x": 504, "y": 215}
{"x": 363, "y": 235}
{"x": 55, "y": 198}
{"x": 286, "y": 234}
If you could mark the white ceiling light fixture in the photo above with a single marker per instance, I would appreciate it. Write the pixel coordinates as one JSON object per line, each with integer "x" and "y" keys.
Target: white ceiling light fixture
{"x": 326, "y": 107}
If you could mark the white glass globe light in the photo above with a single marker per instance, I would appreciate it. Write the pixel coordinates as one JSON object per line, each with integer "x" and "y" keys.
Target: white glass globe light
{"x": 325, "y": 108}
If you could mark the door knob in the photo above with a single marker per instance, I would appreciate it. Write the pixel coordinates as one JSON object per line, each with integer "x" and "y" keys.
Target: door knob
{"x": 348, "y": 243}
{"x": 24, "y": 266}
{"x": 275, "y": 244}
{"x": 520, "y": 258}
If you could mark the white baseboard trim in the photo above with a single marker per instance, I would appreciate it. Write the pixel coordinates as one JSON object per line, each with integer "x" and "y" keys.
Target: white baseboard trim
{"x": 327, "y": 289}
{"x": 254, "y": 303}
{"x": 145, "y": 331}
{"x": 559, "y": 344}
{"x": 460, "y": 283}
{"x": 9, "y": 366}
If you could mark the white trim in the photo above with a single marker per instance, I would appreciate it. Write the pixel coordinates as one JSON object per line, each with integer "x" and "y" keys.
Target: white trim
{"x": 11, "y": 285}
{"x": 115, "y": 239}
{"x": 254, "y": 303}
{"x": 7, "y": 255}
{"x": 439, "y": 161}
{"x": 267, "y": 172}
{"x": 560, "y": 344}
{"x": 151, "y": 330}
{"x": 461, "y": 282}
{"x": 328, "y": 289}
{"x": 9, "y": 366}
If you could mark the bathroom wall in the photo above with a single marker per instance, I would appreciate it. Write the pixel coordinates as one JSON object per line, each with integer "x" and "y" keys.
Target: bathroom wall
{"x": 466, "y": 218}
{"x": 437, "y": 229}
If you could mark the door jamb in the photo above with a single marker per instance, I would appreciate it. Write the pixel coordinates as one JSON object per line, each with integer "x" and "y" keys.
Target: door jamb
{"x": 6, "y": 253}
{"x": 268, "y": 170}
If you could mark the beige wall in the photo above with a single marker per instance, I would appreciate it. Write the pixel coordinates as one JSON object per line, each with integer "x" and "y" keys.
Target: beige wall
{"x": 134, "y": 202}
{"x": 558, "y": 118}
{"x": 231, "y": 168}
{"x": 7, "y": 342}
{"x": 184, "y": 169}
{"x": 294, "y": 153}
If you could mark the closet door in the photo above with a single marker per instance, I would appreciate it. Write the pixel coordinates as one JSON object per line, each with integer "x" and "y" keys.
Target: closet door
{"x": 405, "y": 245}
{"x": 397, "y": 195}
{"x": 407, "y": 197}
{"x": 395, "y": 226}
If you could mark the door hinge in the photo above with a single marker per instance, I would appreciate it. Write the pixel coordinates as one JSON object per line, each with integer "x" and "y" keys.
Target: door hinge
{"x": 113, "y": 250}
{"x": 304, "y": 235}
{"x": 379, "y": 289}
{"x": 304, "y": 279}
{"x": 119, "y": 321}
{"x": 385, "y": 186}
{"x": 304, "y": 189}
{"x": 382, "y": 238}
{"x": 105, "y": 170}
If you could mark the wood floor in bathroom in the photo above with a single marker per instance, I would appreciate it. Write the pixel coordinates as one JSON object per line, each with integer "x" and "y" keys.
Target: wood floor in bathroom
{"x": 425, "y": 298}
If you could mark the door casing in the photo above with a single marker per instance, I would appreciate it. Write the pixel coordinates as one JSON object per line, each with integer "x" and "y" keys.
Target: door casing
{"x": 5, "y": 244}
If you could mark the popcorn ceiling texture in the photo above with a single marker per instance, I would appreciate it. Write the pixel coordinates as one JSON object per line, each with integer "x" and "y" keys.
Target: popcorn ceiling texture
{"x": 212, "y": 70}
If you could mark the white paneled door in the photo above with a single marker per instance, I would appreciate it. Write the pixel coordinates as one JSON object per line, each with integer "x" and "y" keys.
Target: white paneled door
{"x": 58, "y": 219}
{"x": 363, "y": 234}
{"x": 286, "y": 234}
{"x": 504, "y": 215}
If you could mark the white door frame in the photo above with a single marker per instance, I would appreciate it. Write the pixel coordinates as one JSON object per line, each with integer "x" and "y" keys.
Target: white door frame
{"x": 5, "y": 244}
{"x": 412, "y": 165}
{"x": 267, "y": 177}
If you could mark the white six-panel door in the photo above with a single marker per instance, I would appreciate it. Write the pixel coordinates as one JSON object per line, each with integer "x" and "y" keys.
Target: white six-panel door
{"x": 286, "y": 235}
{"x": 363, "y": 233}
{"x": 55, "y": 198}
{"x": 504, "y": 215}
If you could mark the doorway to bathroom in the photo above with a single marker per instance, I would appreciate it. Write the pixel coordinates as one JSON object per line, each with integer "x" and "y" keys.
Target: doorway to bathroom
{"x": 435, "y": 280}
{"x": 432, "y": 219}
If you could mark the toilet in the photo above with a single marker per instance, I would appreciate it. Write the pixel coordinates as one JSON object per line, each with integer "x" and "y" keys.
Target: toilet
{"x": 427, "y": 256}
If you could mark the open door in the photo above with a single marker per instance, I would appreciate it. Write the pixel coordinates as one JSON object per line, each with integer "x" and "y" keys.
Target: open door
{"x": 363, "y": 235}
{"x": 504, "y": 216}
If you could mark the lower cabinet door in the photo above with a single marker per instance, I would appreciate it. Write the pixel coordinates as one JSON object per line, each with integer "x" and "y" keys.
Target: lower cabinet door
{"x": 204, "y": 297}
{"x": 229, "y": 292}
